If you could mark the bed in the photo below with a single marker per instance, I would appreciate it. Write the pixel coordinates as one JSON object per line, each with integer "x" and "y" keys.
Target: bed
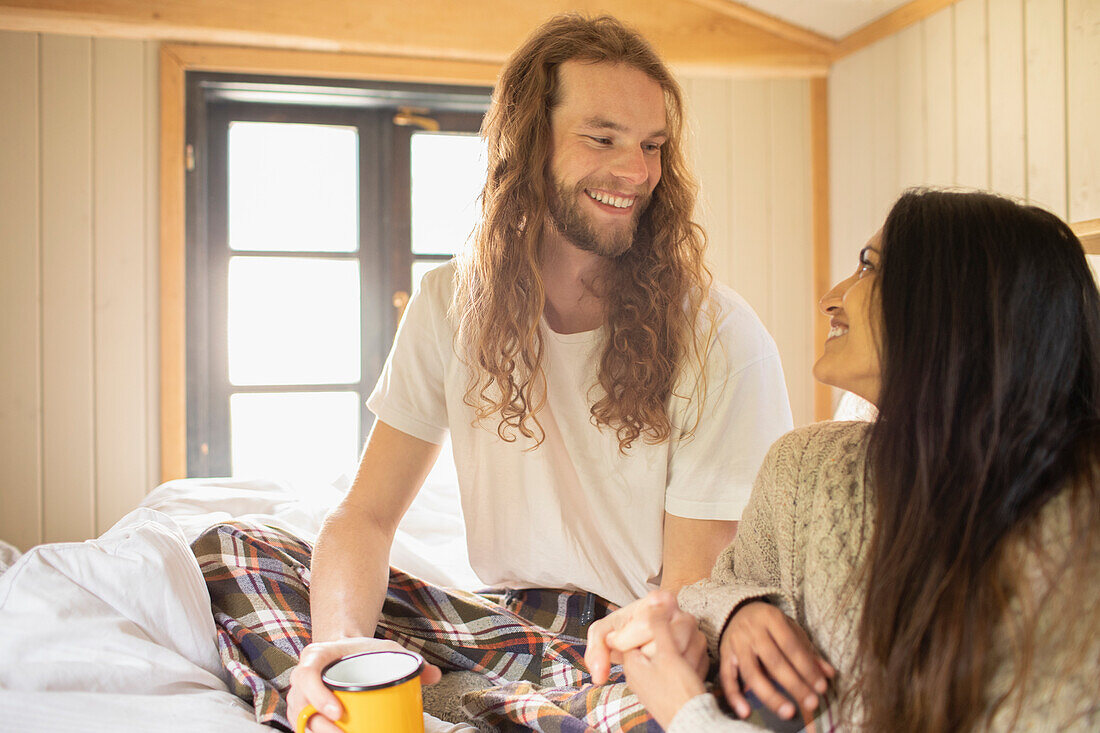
{"x": 116, "y": 633}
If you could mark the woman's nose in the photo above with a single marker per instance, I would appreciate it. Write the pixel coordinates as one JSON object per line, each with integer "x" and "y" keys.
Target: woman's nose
{"x": 832, "y": 300}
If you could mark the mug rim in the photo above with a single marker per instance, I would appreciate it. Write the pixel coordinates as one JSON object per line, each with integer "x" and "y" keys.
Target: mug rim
{"x": 333, "y": 684}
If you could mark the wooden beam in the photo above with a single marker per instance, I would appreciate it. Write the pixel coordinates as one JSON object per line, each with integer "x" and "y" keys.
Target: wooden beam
{"x": 1088, "y": 232}
{"x": 687, "y": 35}
{"x": 173, "y": 340}
{"x": 770, "y": 24}
{"x": 888, "y": 25}
{"x": 822, "y": 277}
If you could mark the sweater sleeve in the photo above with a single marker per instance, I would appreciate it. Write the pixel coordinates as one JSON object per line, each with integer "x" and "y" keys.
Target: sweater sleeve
{"x": 701, "y": 714}
{"x": 752, "y": 567}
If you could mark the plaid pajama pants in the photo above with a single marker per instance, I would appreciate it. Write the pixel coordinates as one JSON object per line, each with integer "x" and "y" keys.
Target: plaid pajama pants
{"x": 529, "y": 643}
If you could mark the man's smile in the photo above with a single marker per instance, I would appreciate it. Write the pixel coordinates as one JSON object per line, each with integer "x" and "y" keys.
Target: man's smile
{"x": 610, "y": 199}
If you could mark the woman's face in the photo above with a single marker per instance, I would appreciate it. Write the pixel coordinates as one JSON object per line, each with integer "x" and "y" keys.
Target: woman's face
{"x": 851, "y": 358}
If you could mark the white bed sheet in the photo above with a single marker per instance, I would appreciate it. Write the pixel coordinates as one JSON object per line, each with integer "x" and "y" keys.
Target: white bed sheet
{"x": 116, "y": 633}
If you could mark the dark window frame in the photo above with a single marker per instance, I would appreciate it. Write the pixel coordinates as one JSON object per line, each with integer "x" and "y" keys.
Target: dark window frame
{"x": 384, "y": 254}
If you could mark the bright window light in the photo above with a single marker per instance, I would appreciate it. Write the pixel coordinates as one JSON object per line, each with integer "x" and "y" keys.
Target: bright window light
{"x": 293, "y": 320}
{"x": 448, "y": 172}
{"x": 294, "y": 436}
{"x": 293, "y": 187}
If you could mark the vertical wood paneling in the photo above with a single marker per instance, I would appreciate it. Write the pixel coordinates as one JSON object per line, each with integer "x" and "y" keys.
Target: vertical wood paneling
{"x": 1008, "y": 161}
{"x": 152, "y": 263}
{"x": 1083, "y": 107}
{"x": 749, "y": 200}
{"x": 885, "y": 121}
{"x": 1046, "y": 103}
{"x": 851, "y": 170}
{"x": 792, "y": 289}
{"x": 711, "y": 106}
{"x": 68, "y": 409}
{"x": 971, "y": 95}
{"x": 750, "y": 149}
{"x": 912, "y": 151}
{"x": 20, "y": 278}
{"x": 120, "y": 276}
{"x": 939, "y": 96}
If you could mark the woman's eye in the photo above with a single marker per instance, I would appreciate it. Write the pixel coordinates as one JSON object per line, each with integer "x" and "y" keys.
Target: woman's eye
{"x": 600, "y": 140}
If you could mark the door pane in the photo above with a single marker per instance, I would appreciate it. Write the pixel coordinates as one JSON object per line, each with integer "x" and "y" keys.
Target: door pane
{"x": 293, "y": 187}
{"x": 447, "y": 172}
{"x": 297, "y": 436}
{"x": 293, "y": 321}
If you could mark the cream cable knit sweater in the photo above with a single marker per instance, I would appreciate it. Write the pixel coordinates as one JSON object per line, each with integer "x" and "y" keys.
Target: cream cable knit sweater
{"x": 803, "y": 533}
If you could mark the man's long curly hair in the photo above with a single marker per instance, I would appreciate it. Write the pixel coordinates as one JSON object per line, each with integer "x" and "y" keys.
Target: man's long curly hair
{"x": 654, "y": 292}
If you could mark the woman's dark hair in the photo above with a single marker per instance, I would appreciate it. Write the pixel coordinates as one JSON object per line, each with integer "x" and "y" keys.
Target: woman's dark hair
{"x": 989, "y": 407}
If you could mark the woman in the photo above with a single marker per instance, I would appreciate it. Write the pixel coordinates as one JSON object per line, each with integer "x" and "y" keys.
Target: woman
{"x": 938, "y": 569}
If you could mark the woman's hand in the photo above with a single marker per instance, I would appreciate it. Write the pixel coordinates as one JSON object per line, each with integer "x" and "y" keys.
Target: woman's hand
{"x": 633, "y": 627}
{"x": 306, "y": 687}
{"x": 761, "y": 644}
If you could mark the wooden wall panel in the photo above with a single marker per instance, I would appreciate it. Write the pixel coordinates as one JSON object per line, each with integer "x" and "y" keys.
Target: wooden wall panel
{"x": 939, "y": 97}
{"x": 1083, "y": 107}
{"x": 1046, "y": 103}
{"x": 1007, "y": 137}
{"x": 750, "y": 149}
{"x": 152, "y": 262}
{"x": 971, "y": 94}
{"x": 20, "y": 281}
{"x": 68, "y": 404}
{"x": 851, "y": 164}
{"x": 793, "y": 305}
{"x": 749, "y": 199}
{"x": 710, "y": 114}
{"x": 120, "y": 277}
{"x": 884, "y": 123}
{"x": 912, "y": 142}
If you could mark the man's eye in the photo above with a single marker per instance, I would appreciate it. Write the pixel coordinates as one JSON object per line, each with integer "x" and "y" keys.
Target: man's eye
{"x": 600, "y": 140}
{"x": 653, "y": 147}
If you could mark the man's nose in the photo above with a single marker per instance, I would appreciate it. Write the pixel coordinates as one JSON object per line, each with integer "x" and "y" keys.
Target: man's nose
{"x": 631, "y": 167}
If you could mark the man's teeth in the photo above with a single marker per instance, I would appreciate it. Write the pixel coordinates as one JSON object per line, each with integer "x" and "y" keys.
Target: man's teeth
{"x": 837, "y": 331}
{"x": 605, "y": 198}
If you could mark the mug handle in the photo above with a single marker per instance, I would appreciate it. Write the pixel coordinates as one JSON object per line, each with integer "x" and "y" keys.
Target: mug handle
{"x": 303, "y": 718}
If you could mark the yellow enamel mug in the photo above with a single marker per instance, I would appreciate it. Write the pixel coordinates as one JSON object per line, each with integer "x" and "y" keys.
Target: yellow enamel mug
{"x": 380, "y": 692}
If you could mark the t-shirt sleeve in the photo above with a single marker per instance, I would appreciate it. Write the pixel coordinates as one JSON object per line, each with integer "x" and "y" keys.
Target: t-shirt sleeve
{"x": 744, "y": 410}
{"x": 409, "y": 395}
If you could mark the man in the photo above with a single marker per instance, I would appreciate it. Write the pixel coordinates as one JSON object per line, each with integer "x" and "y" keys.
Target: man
{"x": 607, "y": 407}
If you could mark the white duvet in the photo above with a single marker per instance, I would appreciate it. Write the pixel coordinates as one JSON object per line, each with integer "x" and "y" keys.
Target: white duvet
{"x": 116, "y": 634}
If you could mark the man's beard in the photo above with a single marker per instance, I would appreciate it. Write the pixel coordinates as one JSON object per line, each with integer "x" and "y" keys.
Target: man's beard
{"x": 569, "y": 219}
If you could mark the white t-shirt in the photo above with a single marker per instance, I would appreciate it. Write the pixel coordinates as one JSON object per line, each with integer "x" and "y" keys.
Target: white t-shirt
{"x": 576, "y": 513}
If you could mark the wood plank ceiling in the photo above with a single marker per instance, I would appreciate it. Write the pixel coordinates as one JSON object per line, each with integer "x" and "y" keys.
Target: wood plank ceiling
{"x": 696, "y": 35}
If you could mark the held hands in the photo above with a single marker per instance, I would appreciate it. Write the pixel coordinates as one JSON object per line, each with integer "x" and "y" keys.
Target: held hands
{"x": 761, "y": 642}
{"x": 663, "y": 653}
{"x": 306, "y": 686}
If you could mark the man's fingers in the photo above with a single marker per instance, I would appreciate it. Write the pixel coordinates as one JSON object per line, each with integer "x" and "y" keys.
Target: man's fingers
{"x": 430, "y": 674}
{"x": 684, "y": 628}
{"x": 597, "y": 654}
{"x": 310, "y": 689}
{"x": 636, "y": 633}
{"x": 321, "y": 724}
